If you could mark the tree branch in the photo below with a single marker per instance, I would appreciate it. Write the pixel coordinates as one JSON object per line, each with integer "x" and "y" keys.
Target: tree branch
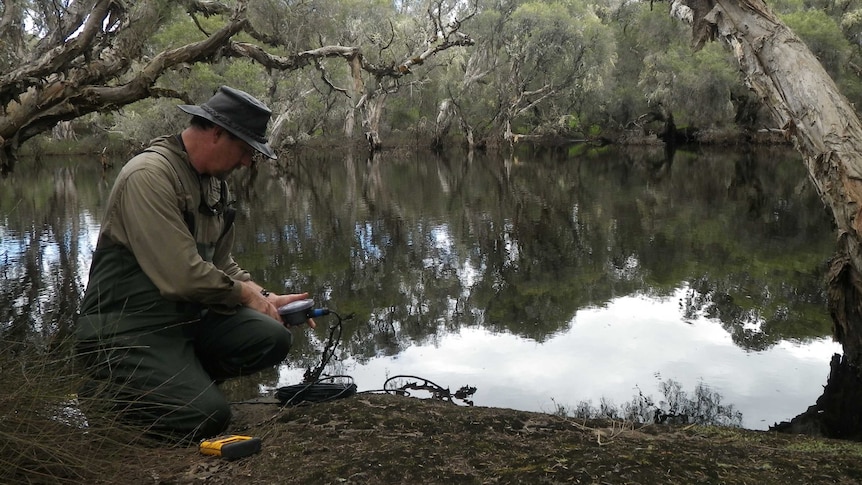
{"x": 86, "y": 58}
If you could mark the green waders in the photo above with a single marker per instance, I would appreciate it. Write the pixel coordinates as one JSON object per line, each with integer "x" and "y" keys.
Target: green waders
{"x": 155, "y": 361}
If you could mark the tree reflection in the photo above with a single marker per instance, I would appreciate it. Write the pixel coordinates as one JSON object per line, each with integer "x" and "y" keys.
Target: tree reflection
{"x": 703, "y": 407}
{"x": 41, "y": 286}
{"x": 418, "y": 245}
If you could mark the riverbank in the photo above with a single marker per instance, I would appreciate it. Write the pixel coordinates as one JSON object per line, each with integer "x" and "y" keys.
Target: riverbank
{"x": 371, "y": 438}
{"x": 119, "y": 150}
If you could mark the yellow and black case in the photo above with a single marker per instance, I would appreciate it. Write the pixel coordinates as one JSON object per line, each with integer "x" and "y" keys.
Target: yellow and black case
{"x": 231, "y": 447}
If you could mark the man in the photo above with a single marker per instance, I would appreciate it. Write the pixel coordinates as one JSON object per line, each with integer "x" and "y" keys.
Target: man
{"x": 168, "y": 312}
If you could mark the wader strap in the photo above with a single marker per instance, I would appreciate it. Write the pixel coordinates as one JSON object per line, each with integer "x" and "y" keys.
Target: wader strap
{"x": 188, "y": 215}
{"x": 229, "y": 216}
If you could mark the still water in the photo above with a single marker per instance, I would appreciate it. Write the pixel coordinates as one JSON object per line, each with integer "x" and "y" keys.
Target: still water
{"x": 545, "y": 279}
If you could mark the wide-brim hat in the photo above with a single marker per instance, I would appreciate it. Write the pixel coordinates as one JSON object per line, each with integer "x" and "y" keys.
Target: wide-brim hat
{"x": 239, "y": 113}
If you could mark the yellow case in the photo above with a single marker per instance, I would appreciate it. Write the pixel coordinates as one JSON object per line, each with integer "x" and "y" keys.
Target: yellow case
{"x": 231, "y": 447}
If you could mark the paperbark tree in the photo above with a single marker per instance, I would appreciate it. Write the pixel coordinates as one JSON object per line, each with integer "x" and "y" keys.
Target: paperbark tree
{"x": 803, "y": 99}
{"x": 62, "y": 60}
{"x": 534, "y": 59}
{"x": 72, "y": 66}
{"x": 442, "y": 35}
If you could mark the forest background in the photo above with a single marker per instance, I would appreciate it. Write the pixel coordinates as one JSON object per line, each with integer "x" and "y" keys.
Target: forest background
{"x": 482, "y": 73}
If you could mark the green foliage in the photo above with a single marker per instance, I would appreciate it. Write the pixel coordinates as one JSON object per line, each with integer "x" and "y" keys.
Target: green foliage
{"x": 537, "y": 66}
{"x": 572, "y": 122}
{"x": 823, "y": 36}
{"x": 245, "y": 73}
{"x": 179, "y": 30}
{"x": 851, "y": 21}
{"x": 694, "y": 86}
{"x": 145, "y": 120}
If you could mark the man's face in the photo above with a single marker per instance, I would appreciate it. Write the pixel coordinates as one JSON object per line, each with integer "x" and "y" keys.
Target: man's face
{"x": 230, "y": 153}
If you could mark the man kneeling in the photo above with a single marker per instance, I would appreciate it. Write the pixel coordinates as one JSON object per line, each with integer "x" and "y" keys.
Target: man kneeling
{"x": 168, "y": 312}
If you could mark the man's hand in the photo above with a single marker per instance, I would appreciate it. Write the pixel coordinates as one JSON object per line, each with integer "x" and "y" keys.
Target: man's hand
{"x": 281, "y": 300}
{"x": 268, "y": 305}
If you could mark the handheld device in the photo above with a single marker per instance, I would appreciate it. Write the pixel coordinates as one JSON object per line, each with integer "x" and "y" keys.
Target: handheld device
{"x": 298, "y": 312}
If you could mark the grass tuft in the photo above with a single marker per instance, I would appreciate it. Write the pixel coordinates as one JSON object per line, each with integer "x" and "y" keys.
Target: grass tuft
{"x": 47, "y": 436}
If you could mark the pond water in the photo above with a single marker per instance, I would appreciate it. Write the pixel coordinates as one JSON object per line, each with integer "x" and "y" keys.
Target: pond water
{"x": 548, "y": 279}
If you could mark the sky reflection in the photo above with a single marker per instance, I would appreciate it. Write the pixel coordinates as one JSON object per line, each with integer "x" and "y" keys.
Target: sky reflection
{"x": 611, "y": 352}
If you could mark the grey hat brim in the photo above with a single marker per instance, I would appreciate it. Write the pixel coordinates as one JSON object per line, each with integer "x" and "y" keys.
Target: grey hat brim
{"x": 262, "y": 148}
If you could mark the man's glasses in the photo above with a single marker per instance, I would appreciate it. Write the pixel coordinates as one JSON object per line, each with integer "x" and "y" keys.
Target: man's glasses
{"x": 256, "y": 156}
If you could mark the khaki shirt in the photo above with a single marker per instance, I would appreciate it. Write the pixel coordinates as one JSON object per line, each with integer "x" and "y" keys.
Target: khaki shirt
{"x": 145, "y": 215}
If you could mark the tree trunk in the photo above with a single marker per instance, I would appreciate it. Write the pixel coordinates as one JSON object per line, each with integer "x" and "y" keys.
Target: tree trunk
{"x": 805, "y": 101}
{"x": 356, "y": 90}
{"x": 63, "y": 130}
{"x": 443, "y": 123}
{"x": 371, "y": 115}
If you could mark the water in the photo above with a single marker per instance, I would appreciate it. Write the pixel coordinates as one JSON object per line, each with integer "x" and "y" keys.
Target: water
{"x": 543, "y": 279}
{"x": 591, "y": 361}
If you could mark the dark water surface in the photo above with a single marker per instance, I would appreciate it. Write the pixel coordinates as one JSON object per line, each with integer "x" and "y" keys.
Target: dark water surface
{"x": 547, "y": 279}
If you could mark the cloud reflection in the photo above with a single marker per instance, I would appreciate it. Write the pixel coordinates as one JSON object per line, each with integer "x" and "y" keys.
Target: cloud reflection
{"x": 610, "y": 352}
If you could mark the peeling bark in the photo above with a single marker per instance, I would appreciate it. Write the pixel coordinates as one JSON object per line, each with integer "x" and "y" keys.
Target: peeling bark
{"x": 802, "y": 97}
{"x": 805, "y": 101}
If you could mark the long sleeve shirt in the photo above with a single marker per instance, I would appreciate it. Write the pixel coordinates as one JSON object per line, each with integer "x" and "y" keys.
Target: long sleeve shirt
{"x": 147, "y": 213}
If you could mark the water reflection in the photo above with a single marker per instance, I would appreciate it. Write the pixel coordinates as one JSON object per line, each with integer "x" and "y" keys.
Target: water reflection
{"x": 531, "y": 277}
{"x": 419, "y": 244}
{"x": 632, "y": 345}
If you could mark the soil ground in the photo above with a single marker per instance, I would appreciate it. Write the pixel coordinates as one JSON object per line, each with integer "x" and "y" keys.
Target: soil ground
{"x": 387, "y": 439}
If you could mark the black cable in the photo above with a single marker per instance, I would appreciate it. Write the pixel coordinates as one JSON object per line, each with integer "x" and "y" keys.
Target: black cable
{"x": 315, "y": 392}
{"x": 316, "y": 389}
{"x": 313, "y": 388}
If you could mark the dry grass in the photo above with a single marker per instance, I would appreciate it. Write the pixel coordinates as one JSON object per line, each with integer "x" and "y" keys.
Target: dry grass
{"x": 44, "y": 434}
